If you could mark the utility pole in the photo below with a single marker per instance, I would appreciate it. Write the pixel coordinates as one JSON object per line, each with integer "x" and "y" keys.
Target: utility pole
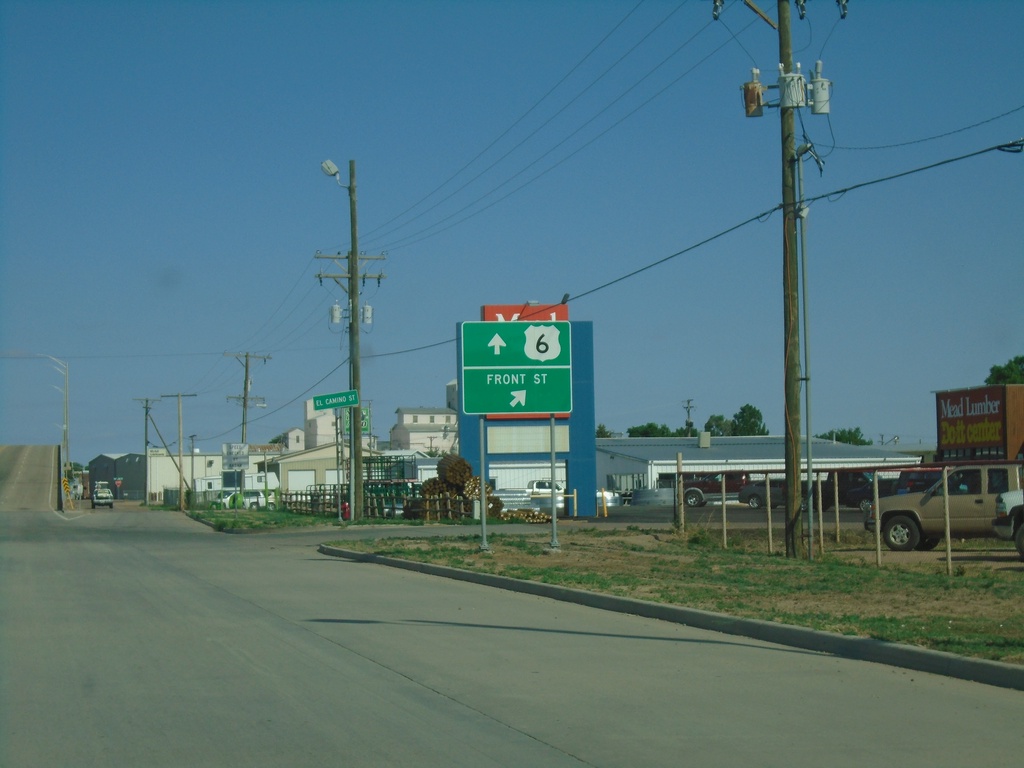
{"x": 181, "y": 439}
{"x": 352, "y": 289}
{"x": 146, "y": 405}
{"x": 245, "y": 397}
{"x": 790, "y": 303}
{"x": 688, "y": 406}
{"x": 192, "y": 472}
{"x": 792, "y": 96}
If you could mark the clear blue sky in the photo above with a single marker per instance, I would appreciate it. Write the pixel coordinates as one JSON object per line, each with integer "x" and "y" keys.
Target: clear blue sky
{"x": 162, "y": 200}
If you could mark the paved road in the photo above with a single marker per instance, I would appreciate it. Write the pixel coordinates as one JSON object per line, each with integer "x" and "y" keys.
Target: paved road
{"x": 143, "y": 638}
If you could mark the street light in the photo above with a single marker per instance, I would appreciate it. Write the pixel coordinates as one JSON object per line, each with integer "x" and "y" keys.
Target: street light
{"x": 355, "y": 421}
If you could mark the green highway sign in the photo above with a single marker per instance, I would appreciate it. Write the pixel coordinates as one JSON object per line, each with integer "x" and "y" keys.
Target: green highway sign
{"x": 516, "y": 367}
{"x": 337, "y": 400}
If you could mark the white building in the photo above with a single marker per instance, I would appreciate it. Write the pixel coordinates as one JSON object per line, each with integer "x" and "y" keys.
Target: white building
{"x": 320, "y": 428}
{"x": 432, "y": 431}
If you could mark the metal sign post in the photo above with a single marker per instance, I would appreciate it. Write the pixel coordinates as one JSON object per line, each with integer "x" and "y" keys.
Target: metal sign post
{"x": 339, "y": 401}
{"x": 554, "y": 502}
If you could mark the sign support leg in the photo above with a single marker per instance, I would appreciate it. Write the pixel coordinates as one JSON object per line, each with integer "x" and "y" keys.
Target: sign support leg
{"x": 554, "y": 502}
{"x": 484, "y": 547}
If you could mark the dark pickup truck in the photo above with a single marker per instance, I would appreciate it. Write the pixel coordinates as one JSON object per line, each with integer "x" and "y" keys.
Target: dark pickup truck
{"x": 699, "y": 489}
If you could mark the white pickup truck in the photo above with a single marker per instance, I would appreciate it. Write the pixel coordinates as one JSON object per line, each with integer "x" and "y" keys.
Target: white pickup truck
{"x": 540, "y": 494}
{"x": 1009, "y": 521}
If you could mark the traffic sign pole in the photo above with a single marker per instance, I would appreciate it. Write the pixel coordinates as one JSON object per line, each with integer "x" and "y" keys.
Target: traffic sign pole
{"x": 554, "y": 504}
{"x": 337, "y": 402}
{"x": 484, "y": 546}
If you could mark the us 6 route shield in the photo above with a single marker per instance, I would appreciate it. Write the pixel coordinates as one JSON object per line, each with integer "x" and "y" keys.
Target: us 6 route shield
{"x": 516, "y": 367}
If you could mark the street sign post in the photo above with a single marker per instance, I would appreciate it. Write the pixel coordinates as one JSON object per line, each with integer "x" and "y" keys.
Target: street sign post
{"x": 516, "y": 368}
{"x": 337, "y": 400}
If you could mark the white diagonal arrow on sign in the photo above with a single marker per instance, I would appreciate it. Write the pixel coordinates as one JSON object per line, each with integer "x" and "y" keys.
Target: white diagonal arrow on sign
{"x": 518, "y": 397}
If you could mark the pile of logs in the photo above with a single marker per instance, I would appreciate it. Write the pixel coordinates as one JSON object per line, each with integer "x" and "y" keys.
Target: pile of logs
{"x": 452, "y": 492}
{"x": 525, "y": 516}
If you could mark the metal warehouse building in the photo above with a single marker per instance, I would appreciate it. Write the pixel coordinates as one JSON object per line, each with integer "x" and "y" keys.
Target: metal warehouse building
{"x": 628, "y": 463}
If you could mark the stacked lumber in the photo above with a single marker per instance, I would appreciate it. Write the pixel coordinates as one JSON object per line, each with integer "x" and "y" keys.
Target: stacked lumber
{"x": 452, "y": 492}
{"x": 524, "y": 516}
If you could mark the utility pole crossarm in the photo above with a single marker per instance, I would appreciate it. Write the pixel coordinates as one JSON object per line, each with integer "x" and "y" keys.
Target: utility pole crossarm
{"x": 245, "y": 398}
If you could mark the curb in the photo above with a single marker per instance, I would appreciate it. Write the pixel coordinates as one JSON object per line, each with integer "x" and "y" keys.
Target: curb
{"x": 994, "y": 673}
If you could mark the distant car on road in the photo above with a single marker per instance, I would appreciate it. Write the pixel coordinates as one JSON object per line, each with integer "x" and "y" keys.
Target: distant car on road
{"x": 861, "y": 496}
{"x": 699, "y": 489}
{"x": 909, "y": 481}
{"x": 755, "y": 495}
{"x": 102, "y": 496}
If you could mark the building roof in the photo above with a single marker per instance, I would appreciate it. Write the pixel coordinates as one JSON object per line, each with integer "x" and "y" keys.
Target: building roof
{"x": 422, "y": 409}
{"x": 723, "y": 452}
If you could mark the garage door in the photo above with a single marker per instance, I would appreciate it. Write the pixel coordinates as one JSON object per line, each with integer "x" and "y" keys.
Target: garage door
{"x": 300, "y": 479}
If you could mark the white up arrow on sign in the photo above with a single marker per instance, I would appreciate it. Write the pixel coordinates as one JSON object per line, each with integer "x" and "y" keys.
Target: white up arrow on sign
{"x": 496, "y": 343}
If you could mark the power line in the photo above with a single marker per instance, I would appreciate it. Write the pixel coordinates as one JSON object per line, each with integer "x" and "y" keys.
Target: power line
{"x": 930, "y": 138}
{"x": 508, "y": 130}
{"x": 551, "y": 119}
{"x": 425, "y": 233}
{"x": 1016, "y": 146}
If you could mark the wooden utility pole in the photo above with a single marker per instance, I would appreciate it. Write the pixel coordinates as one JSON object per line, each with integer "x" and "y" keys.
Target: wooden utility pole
{"x": 352, "y": 288}
{"x": 181, "y": 438}
{"x": 790, "y": 303}
{"x": 145, "y": 435}
{"x": 245, "y": 397}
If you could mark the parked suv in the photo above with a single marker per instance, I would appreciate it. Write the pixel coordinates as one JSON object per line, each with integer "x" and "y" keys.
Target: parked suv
{"x": 699, "y": 489}
{"x": 917, "y": 520}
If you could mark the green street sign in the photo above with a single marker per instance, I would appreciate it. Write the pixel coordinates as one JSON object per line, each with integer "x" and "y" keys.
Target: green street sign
{"x": 516, "y": 367}
{"x": 337, "y": 400}
{"x": 346, "y": 421}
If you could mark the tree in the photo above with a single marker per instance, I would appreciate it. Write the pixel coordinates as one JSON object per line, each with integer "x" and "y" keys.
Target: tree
{"x": 848, "y": 435}
{"x": 650, "y": 429}
{"x": 1011, "y": 373}
{"x": 748, "y": 421}
{"x": 603, "y": 431}
{"x": 718, "y": 425}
